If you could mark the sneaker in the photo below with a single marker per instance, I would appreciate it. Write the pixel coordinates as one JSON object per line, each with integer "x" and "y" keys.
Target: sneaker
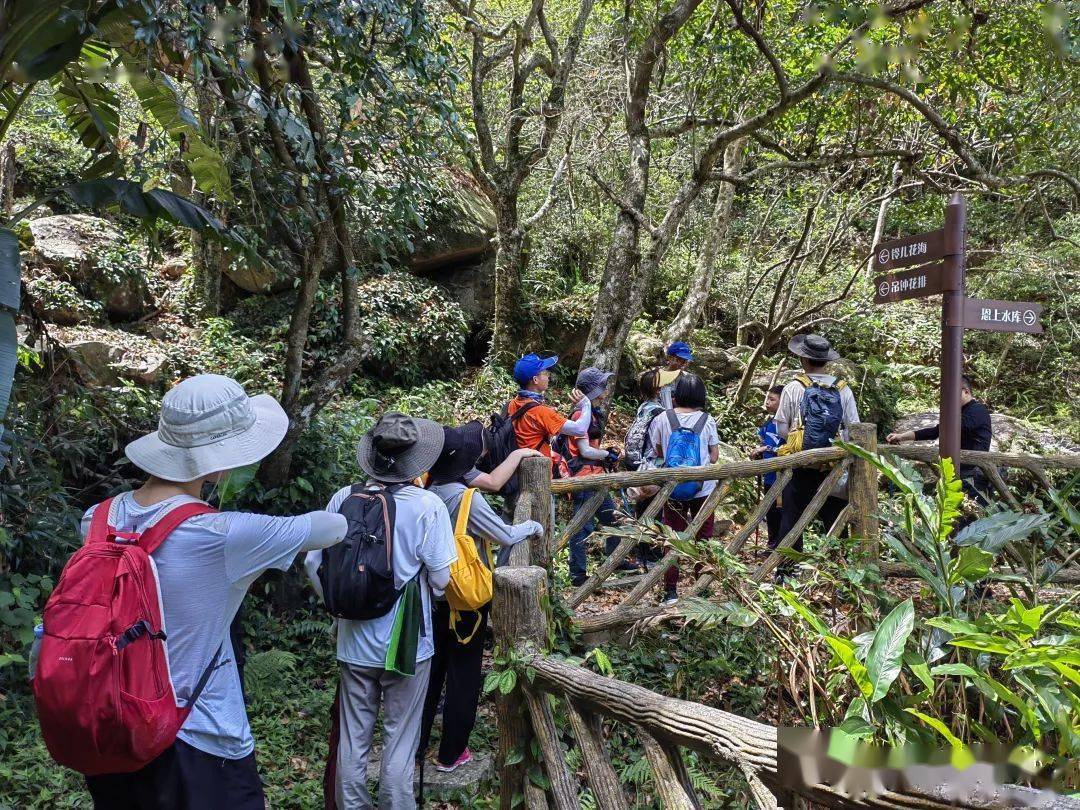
{"x": 671, "y": 596}
{"x": 577, "y": 582}
{"x": 464, "y": 759}
{"x": 628, "y": 565}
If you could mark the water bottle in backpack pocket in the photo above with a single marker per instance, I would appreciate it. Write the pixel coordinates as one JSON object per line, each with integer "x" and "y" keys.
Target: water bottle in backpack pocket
{"x": 357, "y": 574}
{"x": 684, "y": 450}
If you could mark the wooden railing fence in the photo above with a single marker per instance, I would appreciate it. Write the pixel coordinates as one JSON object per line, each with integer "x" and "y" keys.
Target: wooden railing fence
{"x": 548, "y": 688}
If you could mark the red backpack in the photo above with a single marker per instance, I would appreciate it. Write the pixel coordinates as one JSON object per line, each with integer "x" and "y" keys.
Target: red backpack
{"x": 104, "y": 696}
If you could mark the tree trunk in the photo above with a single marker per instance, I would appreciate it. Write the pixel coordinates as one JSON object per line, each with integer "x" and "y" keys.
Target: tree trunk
{"x": 509, "y": 267}
{"x": 767, "y": 341}
{"x": 883, "y": 210}
{"x": 697, "y": 296}
{"x": 7, "y": 180}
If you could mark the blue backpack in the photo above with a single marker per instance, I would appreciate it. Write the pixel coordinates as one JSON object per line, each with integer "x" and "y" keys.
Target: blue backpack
{"x": 684, "y": 450}
{"x": 821, "y": 412}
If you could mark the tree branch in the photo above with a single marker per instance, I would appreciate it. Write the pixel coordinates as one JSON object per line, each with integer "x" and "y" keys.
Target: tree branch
{"x": 640, "y": 218}
{"x": 763, "y": 46}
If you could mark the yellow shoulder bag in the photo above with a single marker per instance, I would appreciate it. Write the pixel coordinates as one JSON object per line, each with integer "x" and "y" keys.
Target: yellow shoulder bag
{"x": 470, "y": 585}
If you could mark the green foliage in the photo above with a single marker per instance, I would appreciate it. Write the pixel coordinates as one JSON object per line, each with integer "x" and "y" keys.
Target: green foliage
{"x": 414, "y": 328}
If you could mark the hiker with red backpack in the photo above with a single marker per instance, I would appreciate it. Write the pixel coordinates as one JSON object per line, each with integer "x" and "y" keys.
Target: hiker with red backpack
{"x": 136, "y": 682}
{"x": 460, "y": 628}
{"x": 379, "y": 584}
{"x": 815, "y": 408}
{"x": 685, "y": 436}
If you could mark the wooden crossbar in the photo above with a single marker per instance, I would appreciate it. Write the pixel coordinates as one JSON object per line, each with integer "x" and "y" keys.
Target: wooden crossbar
{"x": 929, "y": 455}
{"x": 581, "y": 517}
{"x": 708, "y": 472}
{"x": 622, "y": 550}
{"x": 758, "y": 514}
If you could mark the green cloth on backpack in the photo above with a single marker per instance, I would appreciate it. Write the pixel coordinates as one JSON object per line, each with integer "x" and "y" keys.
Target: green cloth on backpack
{"x": 401, "y": 651}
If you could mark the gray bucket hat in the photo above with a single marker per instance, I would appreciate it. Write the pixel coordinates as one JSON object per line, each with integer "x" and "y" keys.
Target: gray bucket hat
{"x": 208, "y": 423}
{"x": 592, "y": 381}
{"x": 399, "y": 448}
{"x": 813, "y": 347}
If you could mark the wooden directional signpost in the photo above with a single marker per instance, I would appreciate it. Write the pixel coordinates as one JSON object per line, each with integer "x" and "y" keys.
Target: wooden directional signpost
{"x": 946, "y": 248}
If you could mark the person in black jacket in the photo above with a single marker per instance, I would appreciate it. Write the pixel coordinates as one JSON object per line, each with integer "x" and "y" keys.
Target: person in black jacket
{"x": 976, "y": 433}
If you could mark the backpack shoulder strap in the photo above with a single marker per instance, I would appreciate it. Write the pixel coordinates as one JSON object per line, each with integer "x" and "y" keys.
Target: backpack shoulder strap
{"x": 156, "y": 534}
{"x": 699, "y": 425}
{"x": 840, "y": 384}
{"x": 524, "y": 409}
{"x": 99, "y": 522}
{"x": 461, "y": 526}
{"x": 673, "y": 419}
{"x": 804, "y": 380}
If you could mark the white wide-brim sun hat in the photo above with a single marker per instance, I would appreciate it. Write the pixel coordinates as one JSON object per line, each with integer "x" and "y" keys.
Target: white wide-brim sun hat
{"x": 209, "y": 424}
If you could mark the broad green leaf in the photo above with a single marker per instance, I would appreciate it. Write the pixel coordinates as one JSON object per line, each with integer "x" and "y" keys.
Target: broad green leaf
{"x": 845, "y": 651}
{"x": 507, "y": 681}
{"x": 957, "y": 627}
{"x": 984, "y": 642}
{"x": 919, "y": 668}
{"x": 857, "y": 727}
{"x": 949, "y": 497}
{"x": 994, "y": 532}
{"x": 954, "y": 669}
{"x": 887, "y": 648}
{"x": 805, "y": 611}
{"x": 971, "y": 565}
{"x": 937, "y": 726}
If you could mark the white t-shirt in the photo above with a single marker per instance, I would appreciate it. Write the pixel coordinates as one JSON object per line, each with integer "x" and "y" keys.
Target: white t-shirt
{"x": 423, "y": 537}
{"x": 660, "y": 432}
{"x": 787, "y": 415}
{"x": 204, "y": 569}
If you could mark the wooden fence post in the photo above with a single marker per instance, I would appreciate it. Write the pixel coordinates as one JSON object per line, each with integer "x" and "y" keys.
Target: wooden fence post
{"x": 534, "y": 480}
{"x": 518, "y": 617}
{"x": 863, "y": 489}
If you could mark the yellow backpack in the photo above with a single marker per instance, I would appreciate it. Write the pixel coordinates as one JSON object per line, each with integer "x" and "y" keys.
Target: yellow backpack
{"x": 471, "y": 586}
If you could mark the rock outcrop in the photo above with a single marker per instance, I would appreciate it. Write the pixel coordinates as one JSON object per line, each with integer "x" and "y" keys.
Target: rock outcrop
{"x": 1010, "y": 434}
{"x": 95, "y": 258}
{"x": 104, "y": 357}
{"x": 712, "y": 363}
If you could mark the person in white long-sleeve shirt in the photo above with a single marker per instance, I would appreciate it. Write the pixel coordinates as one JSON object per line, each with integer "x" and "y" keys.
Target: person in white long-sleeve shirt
{"x": 459, "y": 637}
{"x": 395, "y": 452}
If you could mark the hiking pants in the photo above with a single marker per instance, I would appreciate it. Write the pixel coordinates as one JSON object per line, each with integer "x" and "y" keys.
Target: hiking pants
{"x": 362, "y": 689}
{"x": 182, "y": 778}
{"x": 457, "y": 666}
{"x": 606, "y": 516}
{"x": 798, "y": 493}
{"x": 679, "y": 515}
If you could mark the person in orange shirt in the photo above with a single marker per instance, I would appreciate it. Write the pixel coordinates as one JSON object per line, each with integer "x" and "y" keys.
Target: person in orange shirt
{"x": 539, "y": 422}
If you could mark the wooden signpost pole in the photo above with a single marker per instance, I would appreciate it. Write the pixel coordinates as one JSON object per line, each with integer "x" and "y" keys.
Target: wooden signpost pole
{"x": 952, "y": 328}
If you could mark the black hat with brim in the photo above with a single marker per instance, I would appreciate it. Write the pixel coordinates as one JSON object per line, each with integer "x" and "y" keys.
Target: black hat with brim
{"x": 813, "y": 347}
{"x": 399, "y": 448}
{"x": 462, "y": 448}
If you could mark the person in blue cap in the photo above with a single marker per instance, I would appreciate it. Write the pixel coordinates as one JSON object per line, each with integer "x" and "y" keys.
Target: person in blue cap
{"x": 679, "y": 356}
{"x": 536, "y": 422}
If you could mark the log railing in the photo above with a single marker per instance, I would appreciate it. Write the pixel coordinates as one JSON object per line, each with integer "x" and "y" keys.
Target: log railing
{"x": 540, "y": 493}
{"x": 547, "y": 688}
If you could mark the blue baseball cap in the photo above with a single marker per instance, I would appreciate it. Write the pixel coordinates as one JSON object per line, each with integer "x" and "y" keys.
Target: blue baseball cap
{"x": 681, "y": 350}
{"x": 530, "y": 365}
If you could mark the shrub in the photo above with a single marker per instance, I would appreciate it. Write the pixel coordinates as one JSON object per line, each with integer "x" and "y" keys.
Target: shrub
{"x": 415, "y": 330}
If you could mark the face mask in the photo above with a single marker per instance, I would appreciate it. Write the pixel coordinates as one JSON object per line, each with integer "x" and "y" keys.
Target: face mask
{"x": 232, "y": 482}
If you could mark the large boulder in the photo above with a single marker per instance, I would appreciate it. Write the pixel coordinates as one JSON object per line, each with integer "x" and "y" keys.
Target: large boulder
{"x": 55, "y": 300}
{"x": 104, "y": 357}
{"x": 96, "y": 259}
{"x": 461, "y": 234}
{"x": 1010, "y": 434}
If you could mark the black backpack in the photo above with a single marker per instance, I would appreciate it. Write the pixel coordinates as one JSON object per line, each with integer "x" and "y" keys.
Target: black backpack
{"x": 357, "y": 574}
{"x": 502, "y": 441}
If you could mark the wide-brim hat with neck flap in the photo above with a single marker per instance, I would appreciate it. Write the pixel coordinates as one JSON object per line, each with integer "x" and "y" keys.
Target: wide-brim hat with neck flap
{"x": 462, "y": 448}
{"x": 813, "y": 347}
{"x": 399, "y": 448}
{"x": 208, "y": 424}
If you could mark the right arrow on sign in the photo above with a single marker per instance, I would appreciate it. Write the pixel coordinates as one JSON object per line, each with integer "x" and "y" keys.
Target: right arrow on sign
{"x": 1002, "y": 316}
